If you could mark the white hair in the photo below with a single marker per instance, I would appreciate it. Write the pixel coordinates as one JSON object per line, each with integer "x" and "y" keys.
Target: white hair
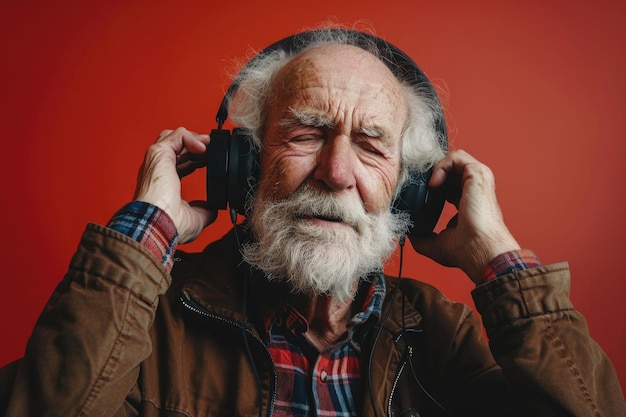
{"x": 423, "y": 142}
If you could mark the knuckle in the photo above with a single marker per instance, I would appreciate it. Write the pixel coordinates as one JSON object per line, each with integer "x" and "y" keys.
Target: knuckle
{"x": 169, "y": 133}
{"x": 487, "y": 172}
{"x": 155, "y": 149}
{"x": 164, "y": 133}
{"x": 484, "y": 175}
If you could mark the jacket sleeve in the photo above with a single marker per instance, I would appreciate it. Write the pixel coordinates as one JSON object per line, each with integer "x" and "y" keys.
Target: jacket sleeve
{"x": 84, "y": 354}
{"x": 544, "y": 348}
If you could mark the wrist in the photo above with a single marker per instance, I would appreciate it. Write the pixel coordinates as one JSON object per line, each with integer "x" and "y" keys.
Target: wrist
{"x": 489, "y": 250}
{"x": 509, "y": 262}
{"x": 150, "y": 226}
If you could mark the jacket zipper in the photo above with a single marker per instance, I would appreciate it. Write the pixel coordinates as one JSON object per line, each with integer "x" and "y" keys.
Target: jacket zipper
{"x": 193, "y": 306}
{"x": 407, "y": 354}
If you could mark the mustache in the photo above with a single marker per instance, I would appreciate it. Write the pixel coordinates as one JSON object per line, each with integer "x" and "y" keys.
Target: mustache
{"x": 309, "y": 202}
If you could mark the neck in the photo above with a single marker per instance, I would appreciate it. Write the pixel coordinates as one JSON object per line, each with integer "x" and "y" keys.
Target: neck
{"x": 327, "y": 317}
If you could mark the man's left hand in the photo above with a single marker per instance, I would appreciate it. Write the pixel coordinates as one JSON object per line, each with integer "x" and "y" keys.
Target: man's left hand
{"x": 477, "y": 233}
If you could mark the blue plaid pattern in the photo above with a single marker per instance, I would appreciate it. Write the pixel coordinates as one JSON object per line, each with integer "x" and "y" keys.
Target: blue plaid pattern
{"x": 150, "y": 226}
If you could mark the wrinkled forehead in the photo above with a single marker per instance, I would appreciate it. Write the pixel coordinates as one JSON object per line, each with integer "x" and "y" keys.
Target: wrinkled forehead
{"x": 340, "y": 62}
{"x": 349, "y": 75}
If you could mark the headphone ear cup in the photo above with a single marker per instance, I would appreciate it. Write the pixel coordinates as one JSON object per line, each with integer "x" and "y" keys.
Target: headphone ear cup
{"x": 232, "y": 170}
{"x": 243, "y": 171}
{"x": 423, "y": 204}
{"x": 217, "y": 169}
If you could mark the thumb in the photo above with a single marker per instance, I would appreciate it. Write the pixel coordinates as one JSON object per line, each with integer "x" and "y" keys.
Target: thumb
{"x": 433, "y": 246}
{"x": 424, "y": 244}
{"x": 201, "y": 208}
{"x": 200, "y": 217}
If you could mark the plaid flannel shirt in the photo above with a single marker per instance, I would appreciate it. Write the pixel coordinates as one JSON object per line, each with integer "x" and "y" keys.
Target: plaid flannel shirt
{"x": 326, "y": 383}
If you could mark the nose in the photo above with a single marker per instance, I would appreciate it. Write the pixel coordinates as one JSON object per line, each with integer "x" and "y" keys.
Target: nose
{"x": 336, "y": 164}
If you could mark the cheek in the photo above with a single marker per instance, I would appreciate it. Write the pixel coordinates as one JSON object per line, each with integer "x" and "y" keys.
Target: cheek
{"x": 377, "y": 189}
{"x": 281, "y": 175}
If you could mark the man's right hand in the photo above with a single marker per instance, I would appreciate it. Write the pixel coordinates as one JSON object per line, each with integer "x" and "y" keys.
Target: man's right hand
{"x": 175, "y": 154}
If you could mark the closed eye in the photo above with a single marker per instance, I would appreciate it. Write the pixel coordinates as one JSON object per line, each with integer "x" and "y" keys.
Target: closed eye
{"x": 306, "y": 137}
{"x": 369, "y": 147}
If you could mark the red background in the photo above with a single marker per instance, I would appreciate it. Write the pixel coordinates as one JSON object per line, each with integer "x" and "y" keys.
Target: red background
{"x": 535, "y": 90}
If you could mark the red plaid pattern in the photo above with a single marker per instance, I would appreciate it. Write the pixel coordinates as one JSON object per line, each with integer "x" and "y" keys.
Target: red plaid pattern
{"x": 510, "y": 261}
{"x": 150, "y": 226}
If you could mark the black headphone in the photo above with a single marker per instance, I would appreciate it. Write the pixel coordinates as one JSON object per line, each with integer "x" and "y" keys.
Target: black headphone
{"x": 233, "y": 161}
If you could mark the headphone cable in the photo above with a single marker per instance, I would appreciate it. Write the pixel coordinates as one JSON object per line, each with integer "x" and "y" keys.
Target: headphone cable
{"x": 401, "y": 242}
{"x": 414, "y": 373}
{"x": 244, "y": 320}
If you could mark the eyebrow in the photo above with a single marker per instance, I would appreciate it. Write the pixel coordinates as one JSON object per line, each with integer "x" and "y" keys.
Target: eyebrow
{"x": 371, "y": 131}
{"x": 299, "y": 117}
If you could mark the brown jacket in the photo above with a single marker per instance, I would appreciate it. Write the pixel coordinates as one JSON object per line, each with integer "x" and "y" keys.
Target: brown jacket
{"x": 102, "y": 347}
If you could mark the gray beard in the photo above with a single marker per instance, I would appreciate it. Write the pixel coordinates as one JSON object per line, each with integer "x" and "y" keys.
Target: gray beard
{"x": 317, "y": 260}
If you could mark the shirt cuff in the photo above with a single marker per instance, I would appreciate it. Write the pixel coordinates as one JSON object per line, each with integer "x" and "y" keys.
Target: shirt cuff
{"x": 150, "y": 226}
{"x": 509, "y": 262}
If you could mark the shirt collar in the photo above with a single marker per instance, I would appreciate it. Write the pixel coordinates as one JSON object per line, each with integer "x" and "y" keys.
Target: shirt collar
{"x": 373, "y": 290}
{"x": 371, "y": 294}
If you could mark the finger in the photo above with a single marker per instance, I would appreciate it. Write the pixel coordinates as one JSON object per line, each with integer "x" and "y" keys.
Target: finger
{"x": 184, "y": 168}
{"x": 194, "y": 142}
{"x": 453, "y": 163}
{"x": 453, "y": 171}
{"x": 186, "y": 155}
{"x": 193, "y": 155}
{"x": 431, "y": 247}
{"x": 453, "y": 189}
{"x": 182, "y": 140}
{"x": 423, "y": 243}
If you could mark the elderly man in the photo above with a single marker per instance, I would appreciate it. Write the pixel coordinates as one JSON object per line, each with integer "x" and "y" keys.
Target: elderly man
{"x": 290, "y": 314}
